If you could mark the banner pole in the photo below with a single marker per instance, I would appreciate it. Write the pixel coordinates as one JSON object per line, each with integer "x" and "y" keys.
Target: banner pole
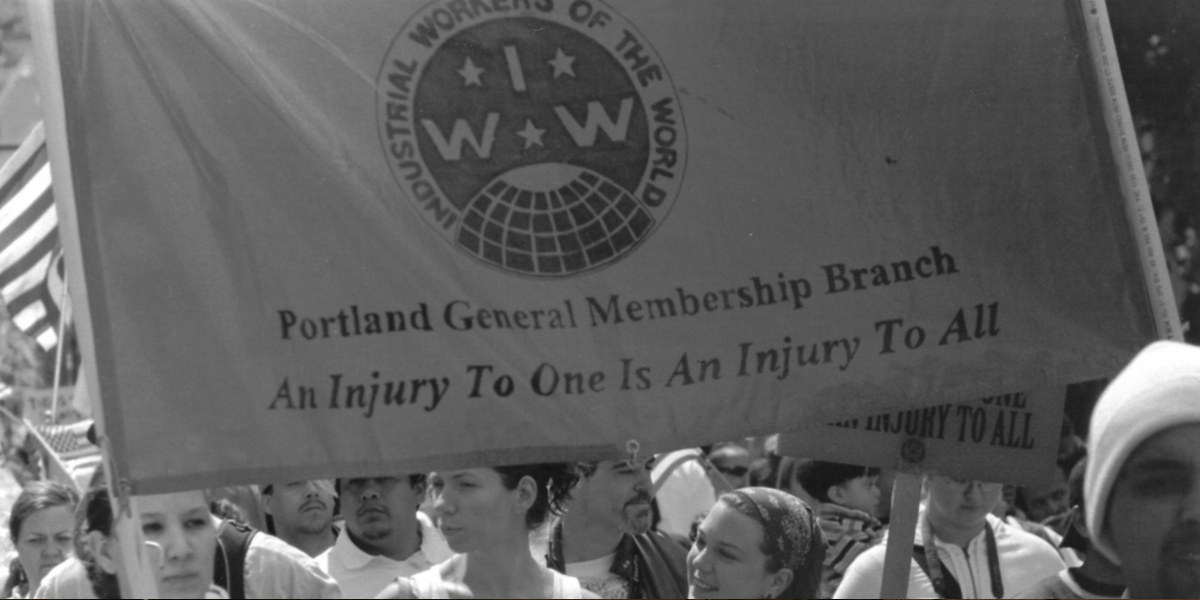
{"x": 902, "y": 529}
{"x": 137, "y": 576}
{"x": 58, "y": 354}
{"x": 1130, "y": 171}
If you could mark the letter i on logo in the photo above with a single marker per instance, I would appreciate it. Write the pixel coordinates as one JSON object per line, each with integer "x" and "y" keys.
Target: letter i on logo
{"x": 515, "y": 73}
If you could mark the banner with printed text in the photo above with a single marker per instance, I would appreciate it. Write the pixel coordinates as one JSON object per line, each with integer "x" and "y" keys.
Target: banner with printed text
{"x": 347, "y": 238}
{"x": 1011, "y": 438}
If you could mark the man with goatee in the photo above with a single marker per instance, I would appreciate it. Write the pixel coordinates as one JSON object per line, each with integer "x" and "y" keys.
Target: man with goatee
{"x": 604, "y": 536}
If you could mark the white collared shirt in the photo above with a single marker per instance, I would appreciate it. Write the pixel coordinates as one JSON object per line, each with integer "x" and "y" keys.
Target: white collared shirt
{"x": 361, "y": 575}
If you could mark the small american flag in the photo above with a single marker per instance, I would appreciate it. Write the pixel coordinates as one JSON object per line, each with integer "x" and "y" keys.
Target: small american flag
{"x": 29, "y": 241}
{"x": 66, "y": 440}
{"x": 69, "y": 456}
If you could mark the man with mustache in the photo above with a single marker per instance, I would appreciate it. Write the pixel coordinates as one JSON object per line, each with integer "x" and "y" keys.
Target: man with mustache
{"x": 604, "y": 536}
{"x": 301, "y": 514}
{"x": 385, "y": 536}
{"x": 1142, "y": 484}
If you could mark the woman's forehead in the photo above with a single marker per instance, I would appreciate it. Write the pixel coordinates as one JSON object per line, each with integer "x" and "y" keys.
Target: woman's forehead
{"x": 50, "y": 516}
{"x": 725, "y": 524}
{"x": 476, "y": 472}
{"x": 172, "y": 503}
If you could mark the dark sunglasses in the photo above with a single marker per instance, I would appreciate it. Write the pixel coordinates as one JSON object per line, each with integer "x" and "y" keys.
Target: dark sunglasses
{"x": 734, "y": 471}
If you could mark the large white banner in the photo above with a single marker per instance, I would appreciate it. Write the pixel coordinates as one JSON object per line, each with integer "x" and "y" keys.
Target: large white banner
{"x": 326, "y": 238}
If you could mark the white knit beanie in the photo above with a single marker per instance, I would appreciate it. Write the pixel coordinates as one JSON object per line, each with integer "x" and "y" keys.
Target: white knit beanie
{"x": 1158, "y": 390}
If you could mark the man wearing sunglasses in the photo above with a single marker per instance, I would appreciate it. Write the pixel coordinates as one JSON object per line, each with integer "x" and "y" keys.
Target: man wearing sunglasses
{"x": 732, "y": 462}
{"x": 962, "y": 550}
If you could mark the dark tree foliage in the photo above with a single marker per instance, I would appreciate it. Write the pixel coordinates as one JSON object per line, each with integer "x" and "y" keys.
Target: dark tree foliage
{"x": 1158, "y": 44}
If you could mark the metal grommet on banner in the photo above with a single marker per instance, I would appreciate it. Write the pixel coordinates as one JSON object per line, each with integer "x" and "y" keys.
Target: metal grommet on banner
{"x": 633, "y": 447}
{"x": 912, "y": 451}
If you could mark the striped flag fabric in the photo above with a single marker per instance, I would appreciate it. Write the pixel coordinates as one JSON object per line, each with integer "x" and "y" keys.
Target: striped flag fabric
{"x": 68, "y": 456}
{"x": 68, "y": 441}
{"x": 30, "y": 254}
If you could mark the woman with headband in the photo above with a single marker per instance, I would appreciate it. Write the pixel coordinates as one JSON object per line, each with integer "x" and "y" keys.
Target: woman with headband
{"x": 757, "y": 543}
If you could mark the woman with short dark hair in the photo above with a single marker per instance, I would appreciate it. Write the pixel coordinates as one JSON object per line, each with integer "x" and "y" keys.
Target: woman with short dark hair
{"x": 486, "y": 515}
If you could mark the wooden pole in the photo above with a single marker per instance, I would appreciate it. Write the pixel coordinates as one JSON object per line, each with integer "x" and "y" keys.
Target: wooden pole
{"x": 58, "y": 353}
{"x": 1130, "y": 171}
{"x": 137, "y": 577}
{"x": 902, "y": 528}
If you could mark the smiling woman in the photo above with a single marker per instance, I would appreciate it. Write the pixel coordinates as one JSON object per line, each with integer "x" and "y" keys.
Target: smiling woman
{"x": 757, "y": 543}
{"x": 486, "y": 515}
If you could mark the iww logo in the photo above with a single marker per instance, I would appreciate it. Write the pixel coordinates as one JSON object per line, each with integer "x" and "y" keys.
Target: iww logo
{"x": 545, "y": 140}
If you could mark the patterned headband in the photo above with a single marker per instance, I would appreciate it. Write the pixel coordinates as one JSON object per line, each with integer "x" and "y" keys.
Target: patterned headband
{"x": 788, "y": 523}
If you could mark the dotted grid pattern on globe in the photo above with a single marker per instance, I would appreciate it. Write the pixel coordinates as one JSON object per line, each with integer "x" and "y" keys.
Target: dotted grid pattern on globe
{"x": 554, "y": 192}
{"x": 581, "y": 225}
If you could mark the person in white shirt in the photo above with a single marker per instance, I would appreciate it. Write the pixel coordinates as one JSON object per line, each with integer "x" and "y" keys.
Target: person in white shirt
{"x": 683, "y": 491}
{"x": 301, "y": 513}
{"x": 385, "y": 535}
{"x": 963, "y": 551}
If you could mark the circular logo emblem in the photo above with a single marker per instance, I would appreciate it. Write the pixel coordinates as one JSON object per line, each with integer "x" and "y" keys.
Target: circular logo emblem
{"x": 541, "y": 137}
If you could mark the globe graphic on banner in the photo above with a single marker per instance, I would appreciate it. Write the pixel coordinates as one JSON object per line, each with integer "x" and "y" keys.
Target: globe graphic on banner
{"x": 582, "y": 223}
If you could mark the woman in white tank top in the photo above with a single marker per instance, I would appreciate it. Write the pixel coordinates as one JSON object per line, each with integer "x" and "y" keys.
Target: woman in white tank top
{"x": 486, "y": 515}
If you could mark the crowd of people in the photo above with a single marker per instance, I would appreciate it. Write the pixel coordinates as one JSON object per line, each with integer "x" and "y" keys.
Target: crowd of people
{"x": 734, "y": 520}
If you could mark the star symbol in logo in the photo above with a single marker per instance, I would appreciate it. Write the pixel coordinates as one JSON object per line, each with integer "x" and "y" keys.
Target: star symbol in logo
{"x": 563, "y": 63}
{"x": 531, "y": 134}
{"x": 470, "y": 73}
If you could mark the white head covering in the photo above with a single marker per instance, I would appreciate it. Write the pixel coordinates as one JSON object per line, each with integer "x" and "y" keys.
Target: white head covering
{"x": 1158, "y": 390}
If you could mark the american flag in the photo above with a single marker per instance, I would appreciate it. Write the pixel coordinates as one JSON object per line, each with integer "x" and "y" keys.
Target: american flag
{"x": 67, "y": 441}
{"x": 69, "y": 456}
{"x": 31, "y": 281}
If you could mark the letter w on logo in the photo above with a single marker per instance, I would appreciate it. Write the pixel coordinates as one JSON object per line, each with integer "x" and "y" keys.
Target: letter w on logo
{"x": 597, "y": 118}
{"x": 452, "y": 149}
